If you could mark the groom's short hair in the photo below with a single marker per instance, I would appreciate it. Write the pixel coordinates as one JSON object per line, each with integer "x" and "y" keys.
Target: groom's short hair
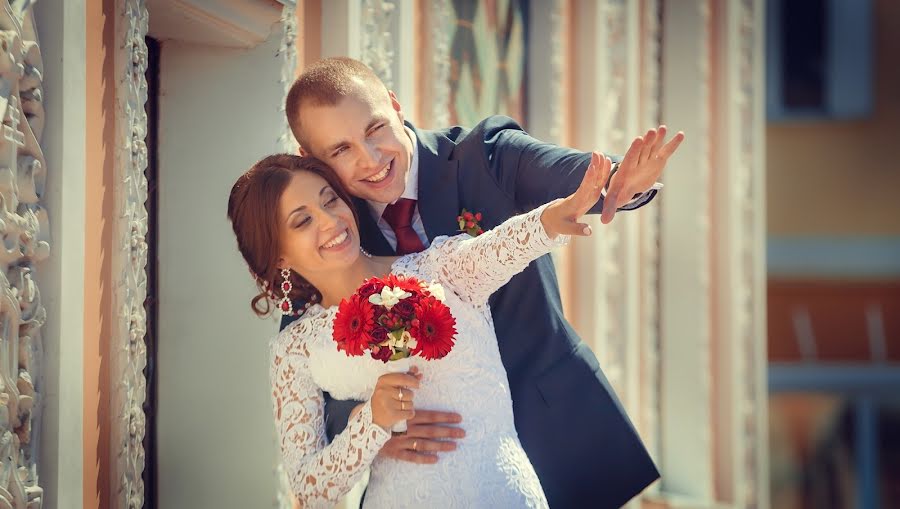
{"x": 325, "y": 83}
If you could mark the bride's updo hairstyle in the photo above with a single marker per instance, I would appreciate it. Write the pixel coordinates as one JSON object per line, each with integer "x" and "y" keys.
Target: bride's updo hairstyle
{"x": 253, "y": 212}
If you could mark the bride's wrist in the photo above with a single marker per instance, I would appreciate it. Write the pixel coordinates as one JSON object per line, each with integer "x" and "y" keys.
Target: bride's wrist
{"x": 549, "y": 218}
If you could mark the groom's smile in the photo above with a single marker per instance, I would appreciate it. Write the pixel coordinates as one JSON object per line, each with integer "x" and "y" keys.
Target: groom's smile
{"x": 381, "y": 176}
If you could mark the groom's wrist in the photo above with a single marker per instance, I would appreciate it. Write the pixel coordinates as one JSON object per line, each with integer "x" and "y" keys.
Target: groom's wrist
{"x": 612, "y": 171}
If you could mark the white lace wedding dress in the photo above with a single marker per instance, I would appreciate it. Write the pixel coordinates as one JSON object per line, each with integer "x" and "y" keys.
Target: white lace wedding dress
{"x": 489, "y": 468}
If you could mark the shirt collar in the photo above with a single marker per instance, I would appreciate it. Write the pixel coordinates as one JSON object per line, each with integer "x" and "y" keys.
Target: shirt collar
{"x": 411, "y": 191}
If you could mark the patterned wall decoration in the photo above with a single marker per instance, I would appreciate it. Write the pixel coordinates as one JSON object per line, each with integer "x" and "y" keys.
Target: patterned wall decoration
{"x": 649, "y": 238}
{"x": 748, "y": 195}
{"x": 25, "y": 233}
{"x": 287, "y": 52}
{"x": 23, "y": 223}
{"x": 128, "y": 350}
{"x": 557, "y": 69}
{"x": 440, "y": 27}
{"x": 612, "y": 340}
{"x": 488, "y": 56}
{"x": 377, "y": 45}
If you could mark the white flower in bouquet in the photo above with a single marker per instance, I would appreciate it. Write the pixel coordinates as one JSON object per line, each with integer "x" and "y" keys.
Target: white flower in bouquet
{"x": 436, "y": 291}
{"x": 388, "y": 297}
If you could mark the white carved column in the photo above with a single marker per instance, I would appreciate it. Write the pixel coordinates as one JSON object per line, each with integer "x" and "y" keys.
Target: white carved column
{"x": 438, "y": 95}
{"x": 546, "y": 70}
{"x": 387, "y": 45}
{"x": 647, "y": 419}
{"x": 287, "y": 52}
{"x": 712, "y": 395}
{"x": 25, "y": 235}
{"x": 129, "y": 258}
{"x": 739, "y": 242}
{"x": 607, "y": 310}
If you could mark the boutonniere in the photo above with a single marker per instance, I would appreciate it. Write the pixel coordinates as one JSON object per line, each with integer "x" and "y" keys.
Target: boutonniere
{"x": 468, "y": 222}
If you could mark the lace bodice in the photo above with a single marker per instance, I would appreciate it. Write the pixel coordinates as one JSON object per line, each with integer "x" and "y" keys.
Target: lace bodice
{"x": 305, "y": 362}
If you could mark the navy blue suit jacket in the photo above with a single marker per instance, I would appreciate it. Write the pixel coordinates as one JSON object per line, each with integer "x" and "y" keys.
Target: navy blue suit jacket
{"x": 584, "y": 448}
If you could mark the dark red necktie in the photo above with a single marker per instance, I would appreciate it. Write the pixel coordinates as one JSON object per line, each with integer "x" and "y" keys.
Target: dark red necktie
{"x": 399, "y": 216}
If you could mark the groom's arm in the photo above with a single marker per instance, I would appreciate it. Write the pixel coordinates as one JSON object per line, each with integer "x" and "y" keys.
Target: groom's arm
{"x": 337, "y": 415}
{"x": 533, "y": 172}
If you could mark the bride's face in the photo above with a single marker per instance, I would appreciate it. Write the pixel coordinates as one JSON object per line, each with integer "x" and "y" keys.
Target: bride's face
{"x": 317, "y": 232}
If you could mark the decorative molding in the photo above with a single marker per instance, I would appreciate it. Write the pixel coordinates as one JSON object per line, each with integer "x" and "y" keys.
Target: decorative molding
{"x": 25, "y": 232}
{"x": 750, "y": 292}
{"x": 441, "y": 15}
{"x": 649, "y": 239}
{"x": 129, "y": 257}
{"x": 377, "y": 43}
{"x": 740, "y": 404}
{"x": 617, "y": 245}
{"x": 287, "y": 51}
{"x": 613, "y": 244}
{"x": 226, "y": 23}
{"x": 557, "y": 70}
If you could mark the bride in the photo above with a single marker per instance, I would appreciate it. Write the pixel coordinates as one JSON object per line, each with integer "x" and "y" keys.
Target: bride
{"x": 296, "y": 230}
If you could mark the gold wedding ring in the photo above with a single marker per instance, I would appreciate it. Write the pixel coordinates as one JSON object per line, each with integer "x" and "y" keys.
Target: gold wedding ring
{"x": 415, "y": 444}
{"x": 401, "y": 405}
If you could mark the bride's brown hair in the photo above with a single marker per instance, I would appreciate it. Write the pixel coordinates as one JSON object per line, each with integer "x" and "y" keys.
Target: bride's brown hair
{"x": 253, "y": 212}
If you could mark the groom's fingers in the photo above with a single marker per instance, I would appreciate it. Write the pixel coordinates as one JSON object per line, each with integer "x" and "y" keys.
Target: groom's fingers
{"x": 669, "y": 148}
{"x": 399, "y": 448}
{"x": 631, "y": 158}
{"x": 425, "y": 446}
{"x": 433, "y": 417}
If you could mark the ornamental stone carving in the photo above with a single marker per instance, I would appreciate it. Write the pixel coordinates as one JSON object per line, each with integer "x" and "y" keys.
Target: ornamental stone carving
{"x": 25, "y": 244}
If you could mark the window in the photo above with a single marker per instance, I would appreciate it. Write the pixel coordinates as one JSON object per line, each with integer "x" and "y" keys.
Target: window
{"x": 819, "y": 59}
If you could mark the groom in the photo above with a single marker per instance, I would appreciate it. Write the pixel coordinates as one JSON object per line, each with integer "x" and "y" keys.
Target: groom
{"x": 411, "y": 186}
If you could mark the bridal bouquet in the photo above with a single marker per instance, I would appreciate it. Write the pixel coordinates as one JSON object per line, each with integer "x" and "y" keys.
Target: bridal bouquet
{"x": 394, "y": 318}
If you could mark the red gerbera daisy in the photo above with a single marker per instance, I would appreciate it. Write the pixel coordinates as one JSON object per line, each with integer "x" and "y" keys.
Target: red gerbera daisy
{"x": 352, "y": 325}
{"x": 408, "y": 284}
{"x": 435, "y": 329}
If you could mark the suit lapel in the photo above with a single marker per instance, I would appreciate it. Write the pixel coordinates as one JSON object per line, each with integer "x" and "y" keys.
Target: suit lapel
{"x": 438, "y": 186}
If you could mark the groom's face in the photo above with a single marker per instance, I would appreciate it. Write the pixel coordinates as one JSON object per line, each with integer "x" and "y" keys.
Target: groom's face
{"x": 363, "y": 138}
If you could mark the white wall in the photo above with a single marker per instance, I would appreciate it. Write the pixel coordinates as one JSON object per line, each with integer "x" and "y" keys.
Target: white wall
{"x": 218, "y": 115}
{"x": 61, "y": 29}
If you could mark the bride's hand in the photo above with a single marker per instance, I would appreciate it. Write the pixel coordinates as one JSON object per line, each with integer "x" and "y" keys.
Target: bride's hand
{"x": 562, "y": 216}
{"x": 392, "y": 400}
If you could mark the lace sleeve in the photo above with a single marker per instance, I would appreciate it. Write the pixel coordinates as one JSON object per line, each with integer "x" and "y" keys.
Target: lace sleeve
{"x": 320, "y": 473}
{"x": 476, "y": 267}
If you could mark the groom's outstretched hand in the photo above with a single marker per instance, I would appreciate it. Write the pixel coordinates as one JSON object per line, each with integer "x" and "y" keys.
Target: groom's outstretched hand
{"x": 427, "y": 434}
{"x": 639, "y": 169}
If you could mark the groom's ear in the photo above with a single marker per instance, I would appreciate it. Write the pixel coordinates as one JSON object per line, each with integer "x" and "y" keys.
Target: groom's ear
{"x": 396, "y": 105}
